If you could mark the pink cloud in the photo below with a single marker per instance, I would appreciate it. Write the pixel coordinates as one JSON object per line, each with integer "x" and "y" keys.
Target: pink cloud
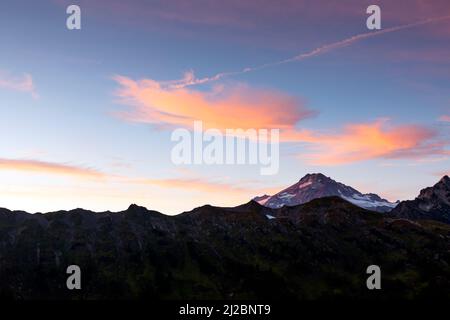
{"x": 189, "y": 183}
{"x": 44, "y": 167}
{"x": 22, "y": 84}
{"x": 258, "y": 12}
{"x": 277, "y": 25}
{"x": 444, "y": 118}
{"x": 222, "y": 108}
{"x": 168, "y": 105}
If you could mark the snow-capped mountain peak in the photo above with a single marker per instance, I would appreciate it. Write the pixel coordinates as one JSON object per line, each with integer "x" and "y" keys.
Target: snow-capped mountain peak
{"x": 317, "y": 185}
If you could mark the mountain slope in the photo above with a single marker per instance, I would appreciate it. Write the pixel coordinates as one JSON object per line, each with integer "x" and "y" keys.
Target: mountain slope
{"x": 313, "y": 186}
{"x": 319, "y": 250}
{"x": 432, "y": 203}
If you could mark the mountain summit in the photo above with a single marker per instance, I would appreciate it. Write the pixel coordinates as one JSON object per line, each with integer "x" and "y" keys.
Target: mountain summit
{"x": 432, "y": 203}
{"x": 317, "y": 185}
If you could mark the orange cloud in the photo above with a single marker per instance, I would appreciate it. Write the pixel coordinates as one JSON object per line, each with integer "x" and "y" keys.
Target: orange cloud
{"x": 202, "y": 185}
{"x": 22, "y": 84}
{"x": 167, "y": 104}
{"x": 49, "y": 168}
{"x": 358, "y": 142}
{"x": 221, "y": 108}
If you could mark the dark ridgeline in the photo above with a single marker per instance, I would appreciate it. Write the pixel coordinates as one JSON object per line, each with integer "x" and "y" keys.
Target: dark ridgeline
{"x": 432, "y": 203}
{"x": 318, "y": 250}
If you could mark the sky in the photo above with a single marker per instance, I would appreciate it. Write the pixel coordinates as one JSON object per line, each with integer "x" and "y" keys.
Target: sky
{"x": 86, "y": 116}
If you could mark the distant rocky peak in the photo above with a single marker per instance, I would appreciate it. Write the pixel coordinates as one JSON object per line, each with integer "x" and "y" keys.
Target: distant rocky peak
{"x": 317, "y": 185}
{"x": 433, "y": 203}
{"x": 315, "y": 177}
{"x": 445, "y": 180}
{"x": 439, "y": 192}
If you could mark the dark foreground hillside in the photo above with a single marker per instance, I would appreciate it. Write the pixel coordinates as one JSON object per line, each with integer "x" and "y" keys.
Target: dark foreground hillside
{"x": 319, "y": 250}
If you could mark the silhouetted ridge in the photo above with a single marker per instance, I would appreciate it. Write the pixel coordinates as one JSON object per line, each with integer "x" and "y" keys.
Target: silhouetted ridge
{"x": 248, "y": 251}
{"x": 432, "y": 203}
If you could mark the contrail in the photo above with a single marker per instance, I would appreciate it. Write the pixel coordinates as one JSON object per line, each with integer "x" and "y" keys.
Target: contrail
{"x": 189, "y": 81}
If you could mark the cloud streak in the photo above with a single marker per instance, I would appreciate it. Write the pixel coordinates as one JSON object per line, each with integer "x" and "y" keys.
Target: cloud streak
{"x": 22, "y": 84}
{"x": 189, "y": 79}
{"x": 191, "y": 183}
{"x": 36, "y": 166}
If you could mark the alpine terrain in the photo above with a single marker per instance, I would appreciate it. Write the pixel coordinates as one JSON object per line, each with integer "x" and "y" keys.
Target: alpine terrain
{"x": 433, "y": 203}
{"x": 317, "y": 185}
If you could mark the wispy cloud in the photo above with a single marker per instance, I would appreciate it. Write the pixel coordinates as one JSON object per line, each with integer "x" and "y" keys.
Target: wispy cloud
{"x": 202, "y": 16}
{"x": 23, "y": 83}
{"x": 193, "y": 183}
{"x": 189, "y": 79}
{"x": 53, "y": 168}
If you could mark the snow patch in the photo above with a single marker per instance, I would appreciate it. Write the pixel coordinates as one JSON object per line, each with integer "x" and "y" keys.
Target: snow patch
{"x": 366, "y": 202}
{"x": 305, "y": 184}
{"x": 286, "y": 195}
